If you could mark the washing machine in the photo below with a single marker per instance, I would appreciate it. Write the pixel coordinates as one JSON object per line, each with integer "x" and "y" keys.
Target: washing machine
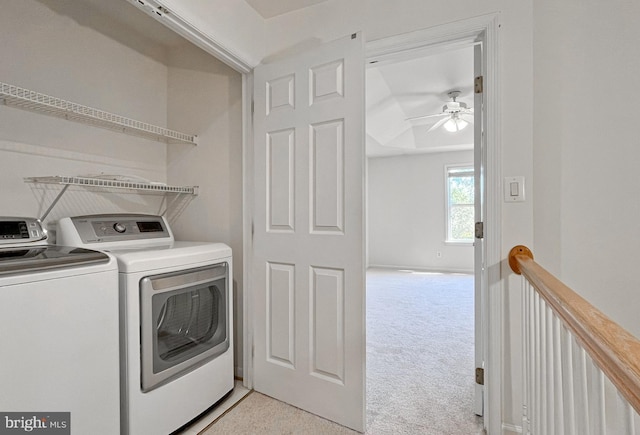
{"x": 176, "y": 318}
{"x": 58, "y": 334}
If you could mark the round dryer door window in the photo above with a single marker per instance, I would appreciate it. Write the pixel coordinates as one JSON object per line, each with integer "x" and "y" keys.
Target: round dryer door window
{"x": 184, "y": 322}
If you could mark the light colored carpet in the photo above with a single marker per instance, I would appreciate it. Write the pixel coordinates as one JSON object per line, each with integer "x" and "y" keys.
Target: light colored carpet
{"x": 420, "y": 365}
{"x": 420, "y": 353}
{"x": 258, "y": 414}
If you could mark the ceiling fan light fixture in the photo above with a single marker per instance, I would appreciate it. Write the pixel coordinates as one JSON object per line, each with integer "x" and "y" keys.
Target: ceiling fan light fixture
{"x": 451, "y": 115}
{"x": 454, "y": 124}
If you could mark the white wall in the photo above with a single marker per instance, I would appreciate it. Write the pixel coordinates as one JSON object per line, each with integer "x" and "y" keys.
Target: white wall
{"x": 586, "y": 150}
{"x": 406, "y": 213}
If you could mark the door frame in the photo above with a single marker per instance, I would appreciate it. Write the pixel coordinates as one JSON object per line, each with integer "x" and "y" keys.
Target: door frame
{"x": 446, "y": 37}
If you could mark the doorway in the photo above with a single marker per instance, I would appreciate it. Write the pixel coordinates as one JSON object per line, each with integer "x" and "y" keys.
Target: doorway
{"x": 420, "y": 234}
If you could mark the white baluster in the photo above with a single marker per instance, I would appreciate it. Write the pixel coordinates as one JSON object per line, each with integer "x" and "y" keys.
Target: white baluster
{"x": 580, "y": 391}
{"x": 535, "y": 414}
{"x": 532, "y": 353}
{"x": 558, "y": 375}
{"x": 621, "y": 420}
{"x": 526, "y": 327}
{"x": 596, "y": 398}
{"x": 550, "y": 375}
{"x": 568, "y": 383}
{"x": 628, "y": 416}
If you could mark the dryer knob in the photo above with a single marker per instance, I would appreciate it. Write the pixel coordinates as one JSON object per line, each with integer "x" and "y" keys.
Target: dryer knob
{"x": 119, "y": 227}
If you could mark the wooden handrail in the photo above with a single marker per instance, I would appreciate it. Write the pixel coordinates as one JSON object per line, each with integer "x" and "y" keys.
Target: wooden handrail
{"x": 614, "y": 350}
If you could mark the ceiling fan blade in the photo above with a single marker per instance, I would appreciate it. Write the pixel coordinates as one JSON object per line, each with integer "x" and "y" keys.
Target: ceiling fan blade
{"x": 438, "y": 124}
{"x": 467, "y": 117}
{"x": 426, "y": 116}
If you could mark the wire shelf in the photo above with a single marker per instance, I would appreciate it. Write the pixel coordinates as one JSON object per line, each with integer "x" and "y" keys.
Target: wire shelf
{"x": 113, "y": 184}
{"x": 30, "y": 100}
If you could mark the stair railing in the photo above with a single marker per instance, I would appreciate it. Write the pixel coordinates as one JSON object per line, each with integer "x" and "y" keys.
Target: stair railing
{"x": 581, "y": 370}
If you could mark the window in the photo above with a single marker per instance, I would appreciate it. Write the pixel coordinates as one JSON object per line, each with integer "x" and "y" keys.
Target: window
{"x": 460, "y": 209}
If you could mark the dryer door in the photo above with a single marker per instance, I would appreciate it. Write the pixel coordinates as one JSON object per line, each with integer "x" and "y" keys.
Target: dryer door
{"x": 184, "y": 322}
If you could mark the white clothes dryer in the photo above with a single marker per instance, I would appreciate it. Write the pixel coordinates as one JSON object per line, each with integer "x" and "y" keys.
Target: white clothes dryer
{"x": 176, "y": 318}
{"x": 58, "y": 334}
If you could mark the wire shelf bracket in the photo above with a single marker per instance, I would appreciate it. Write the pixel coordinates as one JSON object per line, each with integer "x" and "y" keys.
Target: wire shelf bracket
{"x": 91, "y": 182}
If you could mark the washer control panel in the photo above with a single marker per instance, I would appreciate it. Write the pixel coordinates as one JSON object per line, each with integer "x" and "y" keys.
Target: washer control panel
{"x": 21, "y": 230}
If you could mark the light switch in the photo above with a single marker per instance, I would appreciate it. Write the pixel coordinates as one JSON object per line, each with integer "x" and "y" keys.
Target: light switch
{"x": 514, "y": 189}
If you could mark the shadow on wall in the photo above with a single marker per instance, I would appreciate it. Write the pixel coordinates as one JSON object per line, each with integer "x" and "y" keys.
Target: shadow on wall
{"x": 120, "y": 22}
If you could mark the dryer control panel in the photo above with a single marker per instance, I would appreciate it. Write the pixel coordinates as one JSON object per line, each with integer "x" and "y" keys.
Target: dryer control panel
{"x": 113, "y": 229}
{"x": 21, "y": 230}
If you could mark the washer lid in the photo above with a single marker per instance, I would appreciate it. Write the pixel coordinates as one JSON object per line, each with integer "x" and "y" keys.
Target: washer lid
{"x": 37, "y": 258}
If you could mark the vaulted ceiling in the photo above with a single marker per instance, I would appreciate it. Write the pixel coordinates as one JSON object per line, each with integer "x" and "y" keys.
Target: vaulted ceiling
{"x": 412, "y": 87}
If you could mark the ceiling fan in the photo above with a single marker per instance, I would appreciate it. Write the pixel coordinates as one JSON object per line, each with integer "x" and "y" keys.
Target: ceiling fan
{"x": 457, "y": 115}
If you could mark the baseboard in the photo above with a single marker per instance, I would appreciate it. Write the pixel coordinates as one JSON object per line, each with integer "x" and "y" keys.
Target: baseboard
{"x": 421, "y": 268}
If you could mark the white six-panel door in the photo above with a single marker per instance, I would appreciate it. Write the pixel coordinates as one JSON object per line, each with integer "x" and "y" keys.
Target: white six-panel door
{"x": 308, "y": 231}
